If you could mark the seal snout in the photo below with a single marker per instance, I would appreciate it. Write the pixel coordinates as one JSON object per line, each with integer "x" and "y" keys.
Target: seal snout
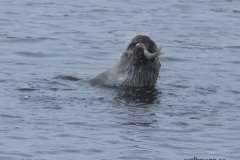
{"x": 141, "y": 45}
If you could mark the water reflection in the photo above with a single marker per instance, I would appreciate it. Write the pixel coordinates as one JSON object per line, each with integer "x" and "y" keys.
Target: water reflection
{"x": 137, "y": 106}
{"x": 138, "y": 95}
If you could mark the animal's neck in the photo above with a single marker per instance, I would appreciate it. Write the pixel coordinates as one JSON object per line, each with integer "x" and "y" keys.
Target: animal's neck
{"x": 143, "y": 76}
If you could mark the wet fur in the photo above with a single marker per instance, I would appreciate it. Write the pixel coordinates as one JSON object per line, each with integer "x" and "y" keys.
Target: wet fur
{"x": 133, "y": 69}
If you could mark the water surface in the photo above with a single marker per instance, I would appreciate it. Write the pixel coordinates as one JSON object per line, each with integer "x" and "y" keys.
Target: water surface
{"x": 50, "y": 49}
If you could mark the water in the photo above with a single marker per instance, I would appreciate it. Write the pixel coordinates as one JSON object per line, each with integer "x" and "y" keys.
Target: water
{"x": 50, "y": 49}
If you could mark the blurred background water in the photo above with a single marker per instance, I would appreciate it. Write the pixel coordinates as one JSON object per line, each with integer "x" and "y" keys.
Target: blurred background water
{"x": 50, "y": 49}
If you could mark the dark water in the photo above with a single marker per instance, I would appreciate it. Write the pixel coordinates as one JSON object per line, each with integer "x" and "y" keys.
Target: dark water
{"x": 50, "y": 49}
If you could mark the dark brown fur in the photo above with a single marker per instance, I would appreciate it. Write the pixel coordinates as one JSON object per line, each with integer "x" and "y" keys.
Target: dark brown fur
{"x": 133, "y": 69}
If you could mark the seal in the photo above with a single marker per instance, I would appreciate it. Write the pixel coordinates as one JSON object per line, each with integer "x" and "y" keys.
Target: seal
{"x": 138, "y": 66}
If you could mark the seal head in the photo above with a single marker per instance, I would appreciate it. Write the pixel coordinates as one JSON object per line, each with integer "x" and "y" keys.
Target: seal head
{"x": 137, "y": 67}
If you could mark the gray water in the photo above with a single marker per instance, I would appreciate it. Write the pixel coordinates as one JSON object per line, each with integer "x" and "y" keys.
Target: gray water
{"x": 50, "y": 49}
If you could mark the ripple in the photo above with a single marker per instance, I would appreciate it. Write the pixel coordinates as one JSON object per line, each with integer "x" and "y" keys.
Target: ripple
{"x": 54, "y": 108}
{"x": 175, "y": 59}
{"x": 205, "y": 90}
{"x": 22, "y": 63}
{"x": 26, "y": 89}
{"x": 12, "y": 13}
{"x": 219, "y": 10}
{"x": 47, "y": 38}
{"x": 72, "y": 150}
{"x": 66, "y": 135}
{"x": 13, "y": 39}
{"x": 33, "y": 54}
{"x": 180, "y": 86}
{"x": 76, "y": 123}
{"x": 234, "y": 91}
{"x": 234, "y": 62}
{"x": 69, "y": 78}
{"x": 145, "y": 124}
{"x": 213, "y": 124}
{"x": 236, "y": 11}
{"x": 9, "y": 116}
{"x": 19, "y": 138}
{"x": 235, "y": 47}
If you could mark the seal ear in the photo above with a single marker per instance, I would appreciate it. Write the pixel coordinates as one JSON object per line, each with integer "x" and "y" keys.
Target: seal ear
{"x": 152, "y": 47}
